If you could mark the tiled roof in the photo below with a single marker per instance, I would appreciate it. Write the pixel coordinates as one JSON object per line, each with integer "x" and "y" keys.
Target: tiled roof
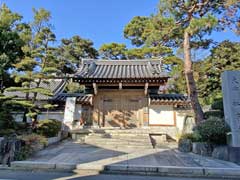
{"x": 81, "y": 98}
{"x": 168, "y": 98}
{"x": 54, "y": 85}
{"x": 120, "y": 69}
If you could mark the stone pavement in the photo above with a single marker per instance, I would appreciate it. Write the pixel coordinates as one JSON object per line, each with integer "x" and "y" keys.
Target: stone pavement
{"x": 70, "y": 155}
{"x": 83, "y": 154}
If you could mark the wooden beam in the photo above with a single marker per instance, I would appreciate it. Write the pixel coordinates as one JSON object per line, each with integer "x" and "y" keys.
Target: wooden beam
{"x": 146, "y": 88}
{"x": 95, "y": 88}
{"x": 125, "y": 84}
{"x": 120, "y": 86}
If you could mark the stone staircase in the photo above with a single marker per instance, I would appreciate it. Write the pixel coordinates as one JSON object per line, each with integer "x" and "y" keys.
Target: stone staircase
{"x": 124, "y": 138}
{"x": 117, "y": 139}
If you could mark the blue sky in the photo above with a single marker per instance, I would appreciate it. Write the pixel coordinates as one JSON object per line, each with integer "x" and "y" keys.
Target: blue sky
{"x": 102, "y": 21}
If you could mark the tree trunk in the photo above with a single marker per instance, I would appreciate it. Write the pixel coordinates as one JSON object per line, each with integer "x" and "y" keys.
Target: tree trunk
{"x": 24, "y": 120}
{"x": 1, "y": 81}
{"x": 191, "y": 85}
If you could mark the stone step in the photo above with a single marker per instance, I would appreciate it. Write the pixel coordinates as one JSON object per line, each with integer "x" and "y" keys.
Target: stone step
{"x": 119, "y": 143}
{"x": 118, "y": 134}
{"x": 147, "y": 139}
{"x": 120, "y": 146}
{"x": 128, "y": 132}
{"x": 136, "y": 131}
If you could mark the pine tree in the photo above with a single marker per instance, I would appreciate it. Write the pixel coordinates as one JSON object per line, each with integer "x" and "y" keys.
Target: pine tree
{"x": 10, "y": 42}
{"x": 71, "y": 52}
{"x": 185, "y": 24}
{"x": 38, "y": 64}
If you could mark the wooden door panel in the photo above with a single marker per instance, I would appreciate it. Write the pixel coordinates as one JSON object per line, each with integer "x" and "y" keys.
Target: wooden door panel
{"x": 113, "y": 116}
{"x": 122, "y": 109}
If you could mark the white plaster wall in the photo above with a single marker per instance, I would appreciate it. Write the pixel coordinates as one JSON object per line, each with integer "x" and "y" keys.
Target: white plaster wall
{"x": 51, "y": 115}
{"x": 164, "y": 115}
{"x": 17, "y": 116}
{"x": 181, "y": 116}
{"x": 161, "y": 115}
{"x": 58, "y": 115}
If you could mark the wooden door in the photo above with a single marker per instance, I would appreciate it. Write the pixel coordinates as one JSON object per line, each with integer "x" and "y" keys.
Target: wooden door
{"x": 132, "y": 114}
{"x": 120, "y": 108}
{"x": 122, "y": 111}
{"x": 112, "y": 112}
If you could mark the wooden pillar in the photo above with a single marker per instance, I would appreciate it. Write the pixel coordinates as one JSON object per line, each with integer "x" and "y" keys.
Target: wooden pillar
{"x": 95, "y": 88}
{"x": 120, "y": 86}
{"x": 146, "y": 89}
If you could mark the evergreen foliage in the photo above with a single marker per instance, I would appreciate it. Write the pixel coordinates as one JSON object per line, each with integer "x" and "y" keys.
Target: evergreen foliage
{"x": 185, "y": 24}
{"x": 38, "y": 63}
{"x": 49, "y": 127}
{"x": 213, "y": 130}
{"x": 28, "y": 49}
{"x": 72, "y": 51}
{"x": 225, "y": 56}
{"x": 10, "y": 42}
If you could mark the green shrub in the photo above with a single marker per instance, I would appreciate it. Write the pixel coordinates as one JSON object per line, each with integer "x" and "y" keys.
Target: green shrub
{"x": 213, "y": 113}
{"x": 32, "y": 139}
{"x": 6, "y": 119}
{"x": 24, "y": 153}
{"x": 49, "y": 127}
{"x": 217, "y": 105}
{"x": 213, "y": 130}
{"x": 21, "y": 125}
{"x": 32, "y": 143}
{"x": 194, "y": 137}
{"x": 6, "y": 132}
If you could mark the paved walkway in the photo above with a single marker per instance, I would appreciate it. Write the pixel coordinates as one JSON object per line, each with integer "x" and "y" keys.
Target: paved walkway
{"x": 90, "y": 156}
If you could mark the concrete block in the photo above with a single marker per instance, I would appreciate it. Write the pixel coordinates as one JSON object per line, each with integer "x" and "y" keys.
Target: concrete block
{"x": 142, "y": 168}
{"x": 234, "y": 154}
{"x": 65, "y": 166}
{"x": 202, "y": 148}
{"x": 222, "y": 172}
{"x": 221, "y": 152}
{"x": 32, "y": 165}
{"x": 90, "y": 167}
{"x": 195, "y": 171}
{"x": 185, "y": 145}
{"x": 116, "y": 168}
{"x": 54, "y": 140}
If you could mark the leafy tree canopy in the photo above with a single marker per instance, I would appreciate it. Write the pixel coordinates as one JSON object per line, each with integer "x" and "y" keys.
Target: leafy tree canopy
{"x": 73, "y": 50}
{"x": 225, "y": 56}
{"x": 113, "y": 51}
{"x": 10, "y": 41}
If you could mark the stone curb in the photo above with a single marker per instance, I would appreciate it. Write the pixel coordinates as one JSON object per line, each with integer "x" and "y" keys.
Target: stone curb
{"x": 130, "y": 169}
{"x": 174, "y": 171}
{"x": 30, "y": 165}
